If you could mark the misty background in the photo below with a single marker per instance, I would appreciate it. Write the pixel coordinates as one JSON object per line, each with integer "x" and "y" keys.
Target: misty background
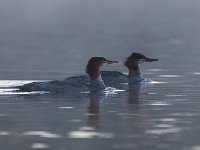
{"x": 53, "y": 39}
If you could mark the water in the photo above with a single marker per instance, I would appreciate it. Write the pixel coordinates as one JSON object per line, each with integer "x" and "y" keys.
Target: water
{"x": 48, "y": 40}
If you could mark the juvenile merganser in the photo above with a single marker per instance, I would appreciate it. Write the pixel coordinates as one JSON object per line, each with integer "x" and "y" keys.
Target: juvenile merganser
{"x": 74, "y": 84}
{"x": 134, "y": 76}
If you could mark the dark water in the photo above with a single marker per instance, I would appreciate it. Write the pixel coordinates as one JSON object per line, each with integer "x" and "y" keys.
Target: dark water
{"x": 42, "y": 40}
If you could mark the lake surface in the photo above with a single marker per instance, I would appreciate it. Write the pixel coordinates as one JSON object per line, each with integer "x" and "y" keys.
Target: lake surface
{"x": 49, "y": 40}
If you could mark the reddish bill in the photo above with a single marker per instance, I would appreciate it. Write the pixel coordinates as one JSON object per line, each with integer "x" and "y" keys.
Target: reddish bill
{"x": 111, "y": 61}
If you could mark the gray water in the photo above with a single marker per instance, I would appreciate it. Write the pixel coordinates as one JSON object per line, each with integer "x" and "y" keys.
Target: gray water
{"x": 48, "y": 40}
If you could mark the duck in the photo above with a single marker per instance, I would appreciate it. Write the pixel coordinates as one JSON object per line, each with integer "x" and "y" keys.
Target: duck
{"x": 91, "y": 81}
{"x": 134, "y": 76}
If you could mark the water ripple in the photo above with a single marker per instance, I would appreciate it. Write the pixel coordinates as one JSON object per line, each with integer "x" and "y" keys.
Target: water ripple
{"x": 89, "y": 132}
{"x": 42, "y": 134}
{"x": 39, "y": 146}
{"x": 163, "y": 131}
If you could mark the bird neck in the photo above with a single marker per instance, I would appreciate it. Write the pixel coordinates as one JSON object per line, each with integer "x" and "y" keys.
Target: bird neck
{"x": 134, "y": 75}
{"x": 93, "y": 71}
{"x": 134, "y": 69}
{"x": 95, "y": 74}
{"x": 97, "y": 84}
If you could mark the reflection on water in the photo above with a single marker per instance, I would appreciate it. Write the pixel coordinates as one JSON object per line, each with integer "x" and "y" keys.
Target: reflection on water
{"x": 89, "y": 132}
{"x": 42, "y": 134}
{"x": 163, "y": 131}
{"x": 133, "y": 94}
{"x": 39, "y": 145}
{"x": 170, "y": 76}
{"x": 94, "y": 110}
{"x": 141, "y": 116}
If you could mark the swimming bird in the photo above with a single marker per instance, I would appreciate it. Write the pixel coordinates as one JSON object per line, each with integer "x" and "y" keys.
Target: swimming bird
{"x": 91, "y": 82}
{"x": 132, "y": 62}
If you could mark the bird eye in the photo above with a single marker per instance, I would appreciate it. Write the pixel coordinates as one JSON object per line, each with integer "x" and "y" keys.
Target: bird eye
{"x": 141, "y": 61}
{"x": 104, "y": 60}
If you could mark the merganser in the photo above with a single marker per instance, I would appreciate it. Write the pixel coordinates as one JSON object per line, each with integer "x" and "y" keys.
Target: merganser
{"x": 134, "y": 76}
{"x": 74, "y": 84}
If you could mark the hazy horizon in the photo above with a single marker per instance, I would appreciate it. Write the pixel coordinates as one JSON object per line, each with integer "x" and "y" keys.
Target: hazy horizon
{"x": 43, "y": 36}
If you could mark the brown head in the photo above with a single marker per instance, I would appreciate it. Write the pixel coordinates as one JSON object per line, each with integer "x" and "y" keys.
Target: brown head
{"x": 136, "y": 58}
{"x": 94, "y": 64}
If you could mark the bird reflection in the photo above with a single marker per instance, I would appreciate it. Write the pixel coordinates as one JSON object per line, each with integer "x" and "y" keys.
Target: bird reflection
{"x": 133, "y": 96}
{"x": 94, "y": 109}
